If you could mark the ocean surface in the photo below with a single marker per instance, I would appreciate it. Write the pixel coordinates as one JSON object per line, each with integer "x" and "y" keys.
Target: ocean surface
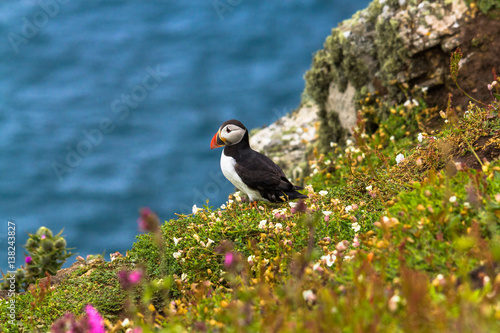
{"x": 109, "y": 106}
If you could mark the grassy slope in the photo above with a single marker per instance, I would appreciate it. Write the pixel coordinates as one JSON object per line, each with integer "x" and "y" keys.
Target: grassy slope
{"x": 421, "y": 229}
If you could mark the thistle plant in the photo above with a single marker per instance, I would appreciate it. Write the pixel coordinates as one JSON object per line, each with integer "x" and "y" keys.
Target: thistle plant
{"x": 46, "y": 253}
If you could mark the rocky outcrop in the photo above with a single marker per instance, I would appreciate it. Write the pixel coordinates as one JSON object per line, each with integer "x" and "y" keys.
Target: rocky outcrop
{"x": 394, "y": 50}
{"x": 286, "y": 141}
{"x": 398, "y": 50}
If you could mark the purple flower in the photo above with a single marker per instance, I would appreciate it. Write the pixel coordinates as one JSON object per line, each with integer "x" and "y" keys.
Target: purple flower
{"x": 229, "y": 259}
{"x": 43, "y": 236}
{"x": 28, "y": 260}
{"x": 94, "y": 319}
{"x": 129, "y": 278}
{"x": 148, "y": 221}
{"x": 300, "y": 207}
{"x": 66, "y": 323}
{"x": 135, "y": 276}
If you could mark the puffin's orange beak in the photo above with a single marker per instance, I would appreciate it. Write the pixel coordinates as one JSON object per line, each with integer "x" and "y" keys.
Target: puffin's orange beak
{"x": 216, "y": 141}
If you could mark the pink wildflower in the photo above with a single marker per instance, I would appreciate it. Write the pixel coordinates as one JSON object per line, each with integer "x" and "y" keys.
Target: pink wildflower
{"x": 28, "y": 260}
{"x": 300, "y": 207}
{"x": 341, "y": 246}
{"x": 229, "y": 259}
{"x": 355, "y": 242}
{"x": 95, "y": 321}
{"x": 128, "y": 279}
{"x": 148, "y": 221}
{"x": 135, "y": 276}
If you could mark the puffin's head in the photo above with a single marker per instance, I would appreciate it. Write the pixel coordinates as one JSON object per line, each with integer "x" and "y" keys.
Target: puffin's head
{"x": 230, "y": 133}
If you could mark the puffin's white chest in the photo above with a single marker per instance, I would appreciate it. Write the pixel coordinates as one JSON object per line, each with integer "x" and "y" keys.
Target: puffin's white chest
{"x": 227, "y": 165}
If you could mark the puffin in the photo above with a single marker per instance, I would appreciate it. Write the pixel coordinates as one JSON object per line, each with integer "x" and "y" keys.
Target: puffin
{"x": 250, "y": 171}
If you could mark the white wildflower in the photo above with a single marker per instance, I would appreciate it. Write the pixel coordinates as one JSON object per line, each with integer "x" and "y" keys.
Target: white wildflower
{"x": 278, "y": 226}
{"x": 369, "y": 188}
{"x": 177, "y": 254}
{"x": 196, "y": 209}
{"x": 262, "y": 224}
{"x": 420, "y": 137}
{"x": 251, "y": 259}
{"x": 323, "y": 193}
{"x": 356, "y": 227}
{"x": 391, "y": 138}
{"x": 466, "y": 205}
{"x": 327, "y": 212}
{"x": 400, "y": 158}
{"x": 453, "y": 199}
{"x": 292, "y": 204}
{"x": 177, "y": 240}
{"x": 348, "y": 142}
{"x": 348, "y": 209}
{"x": 393, "y": 302}
{"x": 184, "y": 276}
{"x": 308, "y": 295}
{"x": 329, "y": 259}
{"x": 210, "y": 241}
{"x": 316, "y": 266}
{"x": 411, "y": 103}
{"x": 279, "y": 211}
{"x": 309, "y": 188}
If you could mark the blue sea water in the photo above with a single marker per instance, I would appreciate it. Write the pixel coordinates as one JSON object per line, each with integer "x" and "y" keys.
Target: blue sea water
{"x": 109, "y": 106}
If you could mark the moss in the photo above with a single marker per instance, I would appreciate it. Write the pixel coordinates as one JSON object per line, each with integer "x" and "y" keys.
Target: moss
{"x": 318, "y": 78}
{"x": 392, "y": 56}
{"x": 330, "y": 130}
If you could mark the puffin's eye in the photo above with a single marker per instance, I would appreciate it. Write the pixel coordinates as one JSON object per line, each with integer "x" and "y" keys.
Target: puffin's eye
{"x": 228, "y": 130}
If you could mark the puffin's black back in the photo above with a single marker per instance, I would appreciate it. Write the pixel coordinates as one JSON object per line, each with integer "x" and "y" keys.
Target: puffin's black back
{"x": 259, "y": 172}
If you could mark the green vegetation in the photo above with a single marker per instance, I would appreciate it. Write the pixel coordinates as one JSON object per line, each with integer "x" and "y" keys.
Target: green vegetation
{"x": 490, "y": 7}
{"x": 398, "y": 234}
{"x": 378, "y": 245}
{"x": 46, "y": 253}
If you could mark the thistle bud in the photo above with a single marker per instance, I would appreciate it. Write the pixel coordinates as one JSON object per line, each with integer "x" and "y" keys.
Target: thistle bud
{"x": 44, "y": 231}
{"x": 31, "y": 243}
{"x": 47, "y": 244}
{"x": 60, "y": 243}
{"x": 45, "y": 260}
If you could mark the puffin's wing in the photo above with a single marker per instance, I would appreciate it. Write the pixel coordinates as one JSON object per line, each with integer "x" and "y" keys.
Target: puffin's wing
{"x": 259, "y": 172}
